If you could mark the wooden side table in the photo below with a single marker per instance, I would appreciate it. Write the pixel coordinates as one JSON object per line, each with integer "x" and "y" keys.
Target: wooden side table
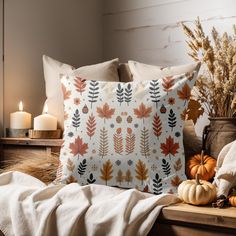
{"x": 12, "y": 149}
{"x": 184, "y": 220}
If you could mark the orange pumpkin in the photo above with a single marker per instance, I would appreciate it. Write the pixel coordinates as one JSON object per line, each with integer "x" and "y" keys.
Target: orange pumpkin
{"x": 232, "y": 199}
{"x": 201, "y": 164}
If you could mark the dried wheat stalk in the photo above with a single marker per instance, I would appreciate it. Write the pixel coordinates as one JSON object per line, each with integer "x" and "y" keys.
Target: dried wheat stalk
{"x": 217, "y": 85}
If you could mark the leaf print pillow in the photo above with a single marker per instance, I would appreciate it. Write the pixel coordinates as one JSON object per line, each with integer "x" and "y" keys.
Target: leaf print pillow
{"x": 125, "y": 134}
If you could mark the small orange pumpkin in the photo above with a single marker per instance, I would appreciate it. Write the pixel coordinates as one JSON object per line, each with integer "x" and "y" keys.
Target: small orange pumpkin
{"x": 232, "y": 198}
{"x": 201, "y": 164}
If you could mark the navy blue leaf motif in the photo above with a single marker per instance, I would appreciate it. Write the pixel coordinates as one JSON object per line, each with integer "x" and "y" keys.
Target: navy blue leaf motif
{"x": 93, "y": 91}
{"x": 91, "y": 180}
{"x": 154, "y": 91}
{"x": 120, "y": 94}
{"x": 82, "y": 167}
{"x": 76, "y": 119}
{"x": 128, "y": 94}
{"x": 165, "y": 167}
{"x": 172, "y": 119}
{"x": 157, "y": 185}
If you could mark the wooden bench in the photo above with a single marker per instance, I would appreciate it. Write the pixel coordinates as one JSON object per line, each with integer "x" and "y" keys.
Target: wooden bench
{"x": 187, "y": 220}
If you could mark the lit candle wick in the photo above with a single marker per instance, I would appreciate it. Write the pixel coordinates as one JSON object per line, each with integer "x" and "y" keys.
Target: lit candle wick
{"x": 20, "y": 106}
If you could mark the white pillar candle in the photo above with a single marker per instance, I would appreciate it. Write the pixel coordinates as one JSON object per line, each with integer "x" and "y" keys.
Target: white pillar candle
{"x": 20, "y": 119}
{"x": 45, "y": 121}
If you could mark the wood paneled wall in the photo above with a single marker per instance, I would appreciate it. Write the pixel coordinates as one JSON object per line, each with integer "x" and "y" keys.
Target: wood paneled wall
{"x": 70, "y": 31}
{"x": 149, "y": 31}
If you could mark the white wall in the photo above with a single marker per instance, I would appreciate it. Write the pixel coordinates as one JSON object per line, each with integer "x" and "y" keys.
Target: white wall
{"x": 70, "y": 31}
{"x": 149, "y": 31}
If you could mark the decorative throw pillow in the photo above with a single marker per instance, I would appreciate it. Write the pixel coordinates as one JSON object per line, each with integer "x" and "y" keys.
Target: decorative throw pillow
{"x": 125, "y": 134}
{"x": 106, "y": 71}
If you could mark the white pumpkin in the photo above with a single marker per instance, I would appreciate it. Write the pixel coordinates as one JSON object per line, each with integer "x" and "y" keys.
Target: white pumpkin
{"x": 197, "y": 192}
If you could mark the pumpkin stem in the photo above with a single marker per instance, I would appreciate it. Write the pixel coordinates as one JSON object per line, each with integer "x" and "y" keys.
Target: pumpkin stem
{"x": 202, "y": 157}
{"x": 197, "y": 178}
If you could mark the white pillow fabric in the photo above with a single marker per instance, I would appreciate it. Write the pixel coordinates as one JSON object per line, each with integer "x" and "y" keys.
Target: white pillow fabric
{"x": 106, "y": 71}
{"x": 125, "y": 134}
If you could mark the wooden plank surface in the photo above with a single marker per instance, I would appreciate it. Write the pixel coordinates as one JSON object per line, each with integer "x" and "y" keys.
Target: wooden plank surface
{"x": 205, "y": 215}
{"x": 186, "y": 229}
{"x": 45, "y": 134}
{"x": 31, "y": 142}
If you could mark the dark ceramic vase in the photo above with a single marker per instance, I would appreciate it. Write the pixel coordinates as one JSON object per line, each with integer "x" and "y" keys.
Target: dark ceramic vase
{"x": 217, "y": 134}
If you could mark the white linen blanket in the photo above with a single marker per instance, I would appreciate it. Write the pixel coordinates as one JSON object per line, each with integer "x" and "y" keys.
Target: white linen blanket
{"x": 29, "y": 207}
{"x": 225, "y": 177}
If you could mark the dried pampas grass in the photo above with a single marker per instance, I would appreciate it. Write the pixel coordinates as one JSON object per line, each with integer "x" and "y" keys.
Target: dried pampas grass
{"x": 43, "y": 168}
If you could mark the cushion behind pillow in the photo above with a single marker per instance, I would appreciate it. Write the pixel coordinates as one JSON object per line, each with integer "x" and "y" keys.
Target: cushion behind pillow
{"x": 106, "y": 71}
{"x": 141, "y": 71}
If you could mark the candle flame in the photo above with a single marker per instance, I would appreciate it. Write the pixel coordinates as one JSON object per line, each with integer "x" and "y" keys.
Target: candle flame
{"x": 45, "y": 109}
{"x": 20, "y": 106}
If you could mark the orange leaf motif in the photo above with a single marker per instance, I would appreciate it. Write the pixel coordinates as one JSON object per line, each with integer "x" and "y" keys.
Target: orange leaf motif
{"x": 185, "y": 93}
{"x": 184, "y": 114}
{"x": 141, "y": 171}
{"x": 194, "y": 111}
{"x": 80, "y": 84}
{"x": 91, "y": 125}
{"x": 169, "y": 147}
{"x": 168, "y": 83}
{"x": 130, "y": 141}
{"x": 78, "y": 147}
{"x": 157, "y": 125}
{"x": 142, "y": 111}
{"x": 66, "y": 93}
{"x": 178, "y": 165}
{"x": 118, "y": 141}
{"x": 70, "y": 165}
{"x": 105, "y": 112}
{"x": 176, "y": 181}
{"x": 71, "y": 179}
{"x": 106, "y": 171}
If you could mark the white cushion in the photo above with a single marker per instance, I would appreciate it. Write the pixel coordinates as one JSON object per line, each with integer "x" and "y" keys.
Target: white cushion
{"x": 141, "y": 71}
{"x": 106, "y": 71}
